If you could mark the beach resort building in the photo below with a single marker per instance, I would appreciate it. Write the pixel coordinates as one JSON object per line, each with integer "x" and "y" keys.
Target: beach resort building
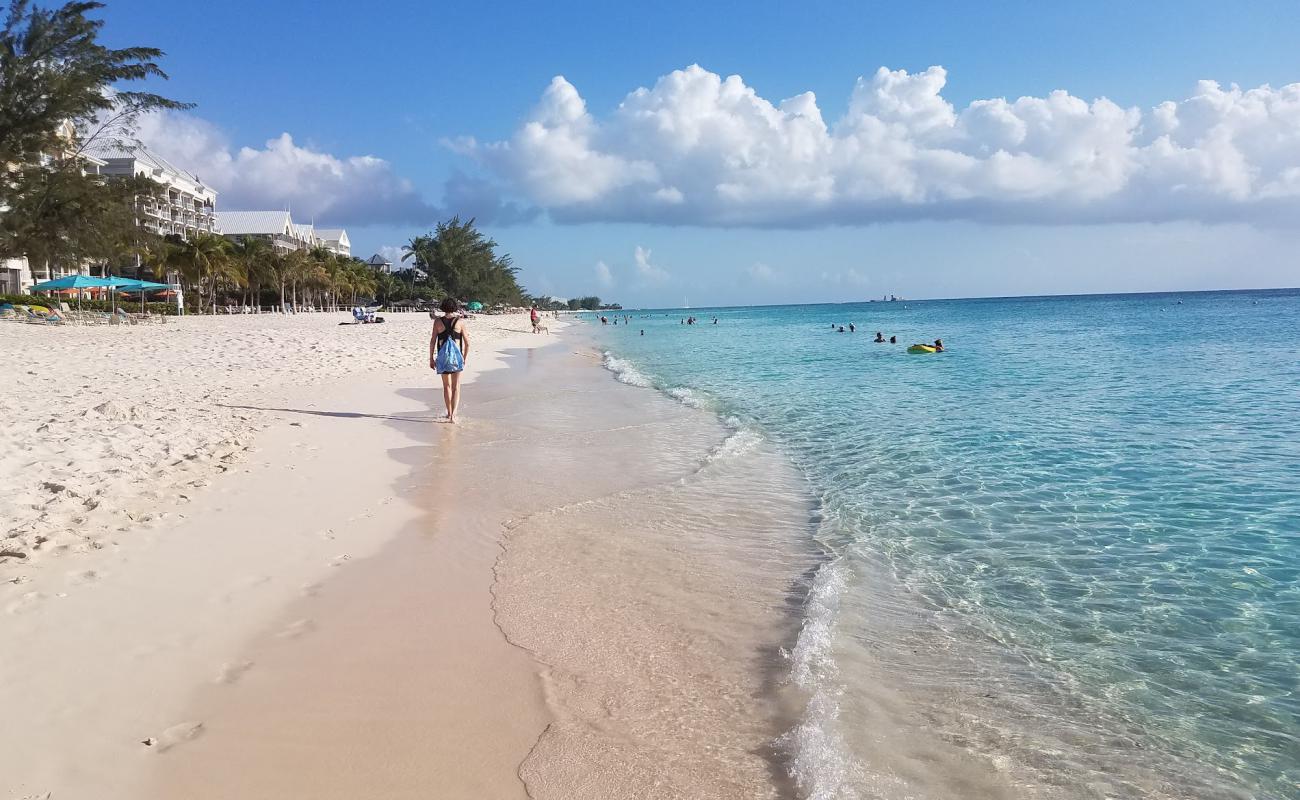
{"x": 306, "y": 234}
{"x": 186, "y": 207}
{"x": 378, "y": 262}
{"x": 16, "y": 272}
{"x": 15, "y": 275}
{"x": 278, "y": 228}
{"x": 335, "y": 240}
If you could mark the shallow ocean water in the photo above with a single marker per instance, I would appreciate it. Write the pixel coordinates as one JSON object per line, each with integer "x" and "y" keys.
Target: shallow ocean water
{"x": 1065, "y": 554}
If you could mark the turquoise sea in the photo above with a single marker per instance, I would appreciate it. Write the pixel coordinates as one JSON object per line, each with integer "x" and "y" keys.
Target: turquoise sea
{"x": 1067, "y": 548}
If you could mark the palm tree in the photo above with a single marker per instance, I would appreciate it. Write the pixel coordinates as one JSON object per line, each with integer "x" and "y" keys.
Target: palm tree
{"x": 253, "y": 255}
{"x": 280, "y": 268}
{"x": 417, "y": 251}
{"x": 202, "y": 259}
{"x": 360, "y": 280}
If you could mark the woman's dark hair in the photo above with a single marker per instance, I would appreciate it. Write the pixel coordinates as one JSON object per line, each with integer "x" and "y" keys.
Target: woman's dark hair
{"x": 449, "y": 306}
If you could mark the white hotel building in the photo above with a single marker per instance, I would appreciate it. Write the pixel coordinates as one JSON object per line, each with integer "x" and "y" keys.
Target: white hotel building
{"x": 187, "y": 205}
{"x": 278, "y": 228}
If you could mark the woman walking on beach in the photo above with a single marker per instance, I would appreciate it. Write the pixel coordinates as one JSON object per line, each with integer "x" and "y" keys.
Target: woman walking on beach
{"x": 448, "y": 350}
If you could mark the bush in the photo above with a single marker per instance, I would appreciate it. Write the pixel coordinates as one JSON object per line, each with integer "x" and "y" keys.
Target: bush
{"x": 87, "y": 305}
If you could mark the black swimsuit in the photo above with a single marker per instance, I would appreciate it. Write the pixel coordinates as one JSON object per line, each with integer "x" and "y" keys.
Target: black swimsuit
{"x": 451, "y": 333}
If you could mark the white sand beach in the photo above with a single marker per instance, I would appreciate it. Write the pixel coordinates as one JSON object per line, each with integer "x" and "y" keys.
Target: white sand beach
{"x": 168, "y": 491}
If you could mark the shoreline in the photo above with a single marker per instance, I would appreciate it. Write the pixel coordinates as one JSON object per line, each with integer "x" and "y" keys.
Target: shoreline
{"x": 554, "y": 642}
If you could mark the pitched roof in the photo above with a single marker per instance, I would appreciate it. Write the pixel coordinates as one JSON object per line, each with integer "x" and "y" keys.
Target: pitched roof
{"x": 252, "y": 222}
{"x": 304, "y": 231}
{"x": 331, "y": 234}
{"x": 378, "y": 261}
{"x": 109, "y": 151}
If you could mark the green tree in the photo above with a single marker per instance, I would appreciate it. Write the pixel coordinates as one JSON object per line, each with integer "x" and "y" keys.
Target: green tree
{"x": 54, "y": 71}
{"x": 61, "y": 90}
{"x": 254, "y": 257}
{"x": 204, "y": 261}
{"x": 462, "y": 262}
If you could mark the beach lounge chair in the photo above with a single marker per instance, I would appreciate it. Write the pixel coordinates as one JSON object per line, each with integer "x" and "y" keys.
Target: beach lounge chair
{"x": 71, "y": 314}
{"x": 44, "y": 317}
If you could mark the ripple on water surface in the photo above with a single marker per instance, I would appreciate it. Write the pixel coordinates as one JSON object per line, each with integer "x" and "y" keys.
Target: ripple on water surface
{"x": 1068, "y": 547}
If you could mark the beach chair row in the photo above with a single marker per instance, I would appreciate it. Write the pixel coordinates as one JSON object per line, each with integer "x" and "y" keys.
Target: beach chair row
{"x": 67, "y": 316}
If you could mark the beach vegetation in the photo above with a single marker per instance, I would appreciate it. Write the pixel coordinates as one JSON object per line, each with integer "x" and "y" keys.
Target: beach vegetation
{"x": 61, "y": 92}
{"x": 589, "y": 303}
{"x": 461, "y": 261}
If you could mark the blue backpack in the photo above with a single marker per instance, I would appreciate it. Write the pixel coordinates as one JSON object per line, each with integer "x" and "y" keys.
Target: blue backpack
{"x": 449, "y": 357}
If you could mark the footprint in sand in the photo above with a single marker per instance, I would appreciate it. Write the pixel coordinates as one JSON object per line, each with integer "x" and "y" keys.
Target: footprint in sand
{"x": 175, "y": 735}
{"x": 25, "y": 603}
{"x": 340, "y": 560}
{"x": 295, "y": 629}
{"x": 83, "y": 576}
{"x": 231, "y": 673}
{"x": 310, "y": 589}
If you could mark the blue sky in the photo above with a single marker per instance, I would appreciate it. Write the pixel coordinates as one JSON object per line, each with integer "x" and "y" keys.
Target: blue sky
{"x": 628, "y": 205}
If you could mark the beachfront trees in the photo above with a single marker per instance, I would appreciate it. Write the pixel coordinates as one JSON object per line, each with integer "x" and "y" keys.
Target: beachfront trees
{"x": 460, "y": 260}
{"x": 358, "y": 279}
{"x": 253, "y": 256}
{"x": 590, "y": 303}
{"x": 54, "y": 71}
{"x": 204, "y": 261}
{"x": 62, "y": 216}
{"x": 61, "y": 91}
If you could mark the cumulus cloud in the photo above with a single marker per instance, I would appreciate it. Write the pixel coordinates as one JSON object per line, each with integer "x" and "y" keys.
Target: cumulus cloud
{"x": 393, "y": 253}
{"x": 603, "y": 276}
{"x": 353, "y": 190}
{"x": 850, "y": 278}
{"x": 701, "y": 149}
{"x": 761, "y": 273}
{"x": 335, "y": 190}
{"x": 648, "y": 272}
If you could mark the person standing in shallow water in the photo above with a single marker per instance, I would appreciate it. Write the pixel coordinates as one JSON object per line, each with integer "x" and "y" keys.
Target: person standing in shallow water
{"x": 448, "y": 351}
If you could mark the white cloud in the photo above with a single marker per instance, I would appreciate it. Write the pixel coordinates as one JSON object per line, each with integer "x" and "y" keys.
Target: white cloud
{"x": 761, "y": 273}
{"x": 603, "y": 276}
{"x": 849, "y": 278}
{"x": 394, "y": 255}
{"x": 645, "y": 270}
{"x": 698, "y": 148}
{"x": 352, "y": 190}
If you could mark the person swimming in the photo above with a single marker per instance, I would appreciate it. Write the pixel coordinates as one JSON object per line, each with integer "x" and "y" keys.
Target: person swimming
{"x": 880, "y": 338}
{"x": 938, "y": 345}
{"x": 841, "y": 330}
{"x": 893, "y": 340}
{"x": 852, "y": 328}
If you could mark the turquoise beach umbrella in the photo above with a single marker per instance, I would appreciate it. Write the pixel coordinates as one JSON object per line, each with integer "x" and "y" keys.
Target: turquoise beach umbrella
{"x": 72, "y": 282}
{"x": 132, "y": 286}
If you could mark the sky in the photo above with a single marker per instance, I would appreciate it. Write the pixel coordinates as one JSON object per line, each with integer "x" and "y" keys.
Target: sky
{"x": 761, "y": 152}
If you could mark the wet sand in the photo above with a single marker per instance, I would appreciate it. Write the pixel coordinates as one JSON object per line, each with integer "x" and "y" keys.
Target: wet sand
{"x": 590, "y": 604}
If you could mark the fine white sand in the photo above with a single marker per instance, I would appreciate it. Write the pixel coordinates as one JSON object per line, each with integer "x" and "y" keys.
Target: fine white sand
{"x": 167, "y": 492}
{"x": 107, "y": 429}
